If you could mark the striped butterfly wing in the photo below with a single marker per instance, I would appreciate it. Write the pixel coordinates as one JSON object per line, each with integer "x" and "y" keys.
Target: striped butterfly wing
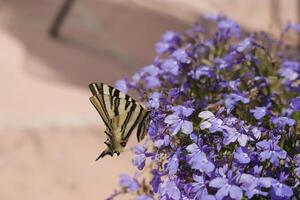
{"x": 127, "y": 122}
{"x": 113, "y": 101}
{"x": 120, "y": 113}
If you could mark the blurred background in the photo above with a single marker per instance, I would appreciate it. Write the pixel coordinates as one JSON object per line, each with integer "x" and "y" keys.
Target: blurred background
{"x": 49, "y": 132}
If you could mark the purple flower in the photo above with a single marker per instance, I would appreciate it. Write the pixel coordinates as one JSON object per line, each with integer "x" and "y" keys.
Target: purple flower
{"x": 122, "y": 86}
{"x": 288, "y": 74}
{"x": 162, "y": 47}
{"x": 271, "y": 151}
{"x": 181, "y": 56}
{"x": 149, "y": 75}
{"x": 169, "y": 190}
{"x": 210, "y": 122}
{"x": 152, "y": 82}
{"x": 214, "y": 17}
{"x": 140, "y": 158}
{"x": 241, "y": 155}
{"x": 128, "y": 182}
{"x": 243, "y": 144}
{"x": 143, "y": 197}
{"x": 198, "y": 160}
{"x": 228, "y": 26}
{"x": 206, "y": 115}
{"x": 201, "y": 71}
{"x": 174, "y": 93}
{"x": 281, "y": 122}
{"x": 163, "y": 142}
{"x": 281, "y": 190}
{"x": 167, "y": 40}
{"x": 154, "y": 100}
{"x": 170, "y": 36}
{"x": 171, "y": 66}
{"x": 178, "y": 121}
{"x": 259, "y": 112}
{"x": 295, "y": 27}
{"x": 156, "y": 180}
{"x": 199, "y": 187}
{"x": 173, "y": 164}
{"x": 233, "y": 98}
{"x": 243, "y": 45}
{"x": 225, "y": 188}
{"x": 253, "y": 185}
{"x": 232, "y": 135}
{"x": 295, "y": 104}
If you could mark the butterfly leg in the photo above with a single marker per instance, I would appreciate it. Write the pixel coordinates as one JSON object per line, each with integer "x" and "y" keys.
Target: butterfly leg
{"x": 107, "y": 151}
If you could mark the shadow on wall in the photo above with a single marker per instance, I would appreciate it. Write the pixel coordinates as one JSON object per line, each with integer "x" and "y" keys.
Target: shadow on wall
{"x": 100, "y": 40}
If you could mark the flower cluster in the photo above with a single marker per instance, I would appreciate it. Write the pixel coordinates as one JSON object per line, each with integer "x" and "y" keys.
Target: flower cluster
{"x": 224, "y": 117}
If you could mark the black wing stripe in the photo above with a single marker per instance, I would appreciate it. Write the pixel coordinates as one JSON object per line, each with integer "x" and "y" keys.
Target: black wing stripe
{"x": 110, "y": 89}
{"x": 116, "y": 106}
{"x": 142, "y": 126}
{"x": 128, "y": 116}
{"x": 136, "y": 120}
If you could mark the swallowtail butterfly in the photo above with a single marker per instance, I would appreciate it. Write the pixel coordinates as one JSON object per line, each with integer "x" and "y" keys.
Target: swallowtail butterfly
{"x": 121, "y": 114}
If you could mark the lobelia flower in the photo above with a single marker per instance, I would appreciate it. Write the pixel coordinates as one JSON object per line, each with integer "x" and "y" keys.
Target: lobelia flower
{"x": 181, "y": 56}
{"x": 122, "y": 86}
{"x": 244, "y": 144}
{"x": 149, "y": 75}
{"x": 201, "y": 71}
{"x": 168, "y": 39}
{"x": 281, "y": 190}
{"x": 173, "y": 163}
{"x": 243, "y": 45}
{"x": 154, "y": 100}
{"x": 143, "y": 197}
{"x": 156, "y": 180}
{"x": 170, "y": 66}
{"x": 231, "y": 135}
{"x": 241, "y": 155}
{"x": 198, "y": 159}
{"x": 253, "y": 185}
{"x": 169, "y": 190}
{"x": 174, "y": 93}
{"x": 228, "y": 26}
{"x": 270, "y": 151}
{"x": 281, "y": 122}
{"x": 295, "y": 27}
{"x": 140, "y": 157}
{"x": 295, "y": 104}
{"x": 199, "y": 188}
{"x": 259, "y": 112}
{"x": 162, "y": 142}
{"x": 162, "y": 47}
{"x": 128, "y": 182}
{"x": 233, "y": 98}
{"x": 178, "y": 121}
{"x": 226, "y": 187}
{"x": 210, "y": 122}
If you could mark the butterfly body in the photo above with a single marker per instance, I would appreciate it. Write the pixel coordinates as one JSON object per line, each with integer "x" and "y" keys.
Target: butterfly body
{"x": 121, "y": 115}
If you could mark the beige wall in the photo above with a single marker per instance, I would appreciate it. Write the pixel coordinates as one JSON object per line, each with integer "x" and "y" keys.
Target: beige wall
{"x": 252, "y": 14}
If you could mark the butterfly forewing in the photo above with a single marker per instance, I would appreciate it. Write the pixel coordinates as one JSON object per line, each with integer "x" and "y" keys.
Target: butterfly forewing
{"x": 113, "y": 101}
{"x": 98, "y": 104}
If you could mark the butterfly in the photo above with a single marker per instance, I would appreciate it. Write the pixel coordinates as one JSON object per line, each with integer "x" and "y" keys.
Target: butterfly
{"x": 121, "y": 114}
